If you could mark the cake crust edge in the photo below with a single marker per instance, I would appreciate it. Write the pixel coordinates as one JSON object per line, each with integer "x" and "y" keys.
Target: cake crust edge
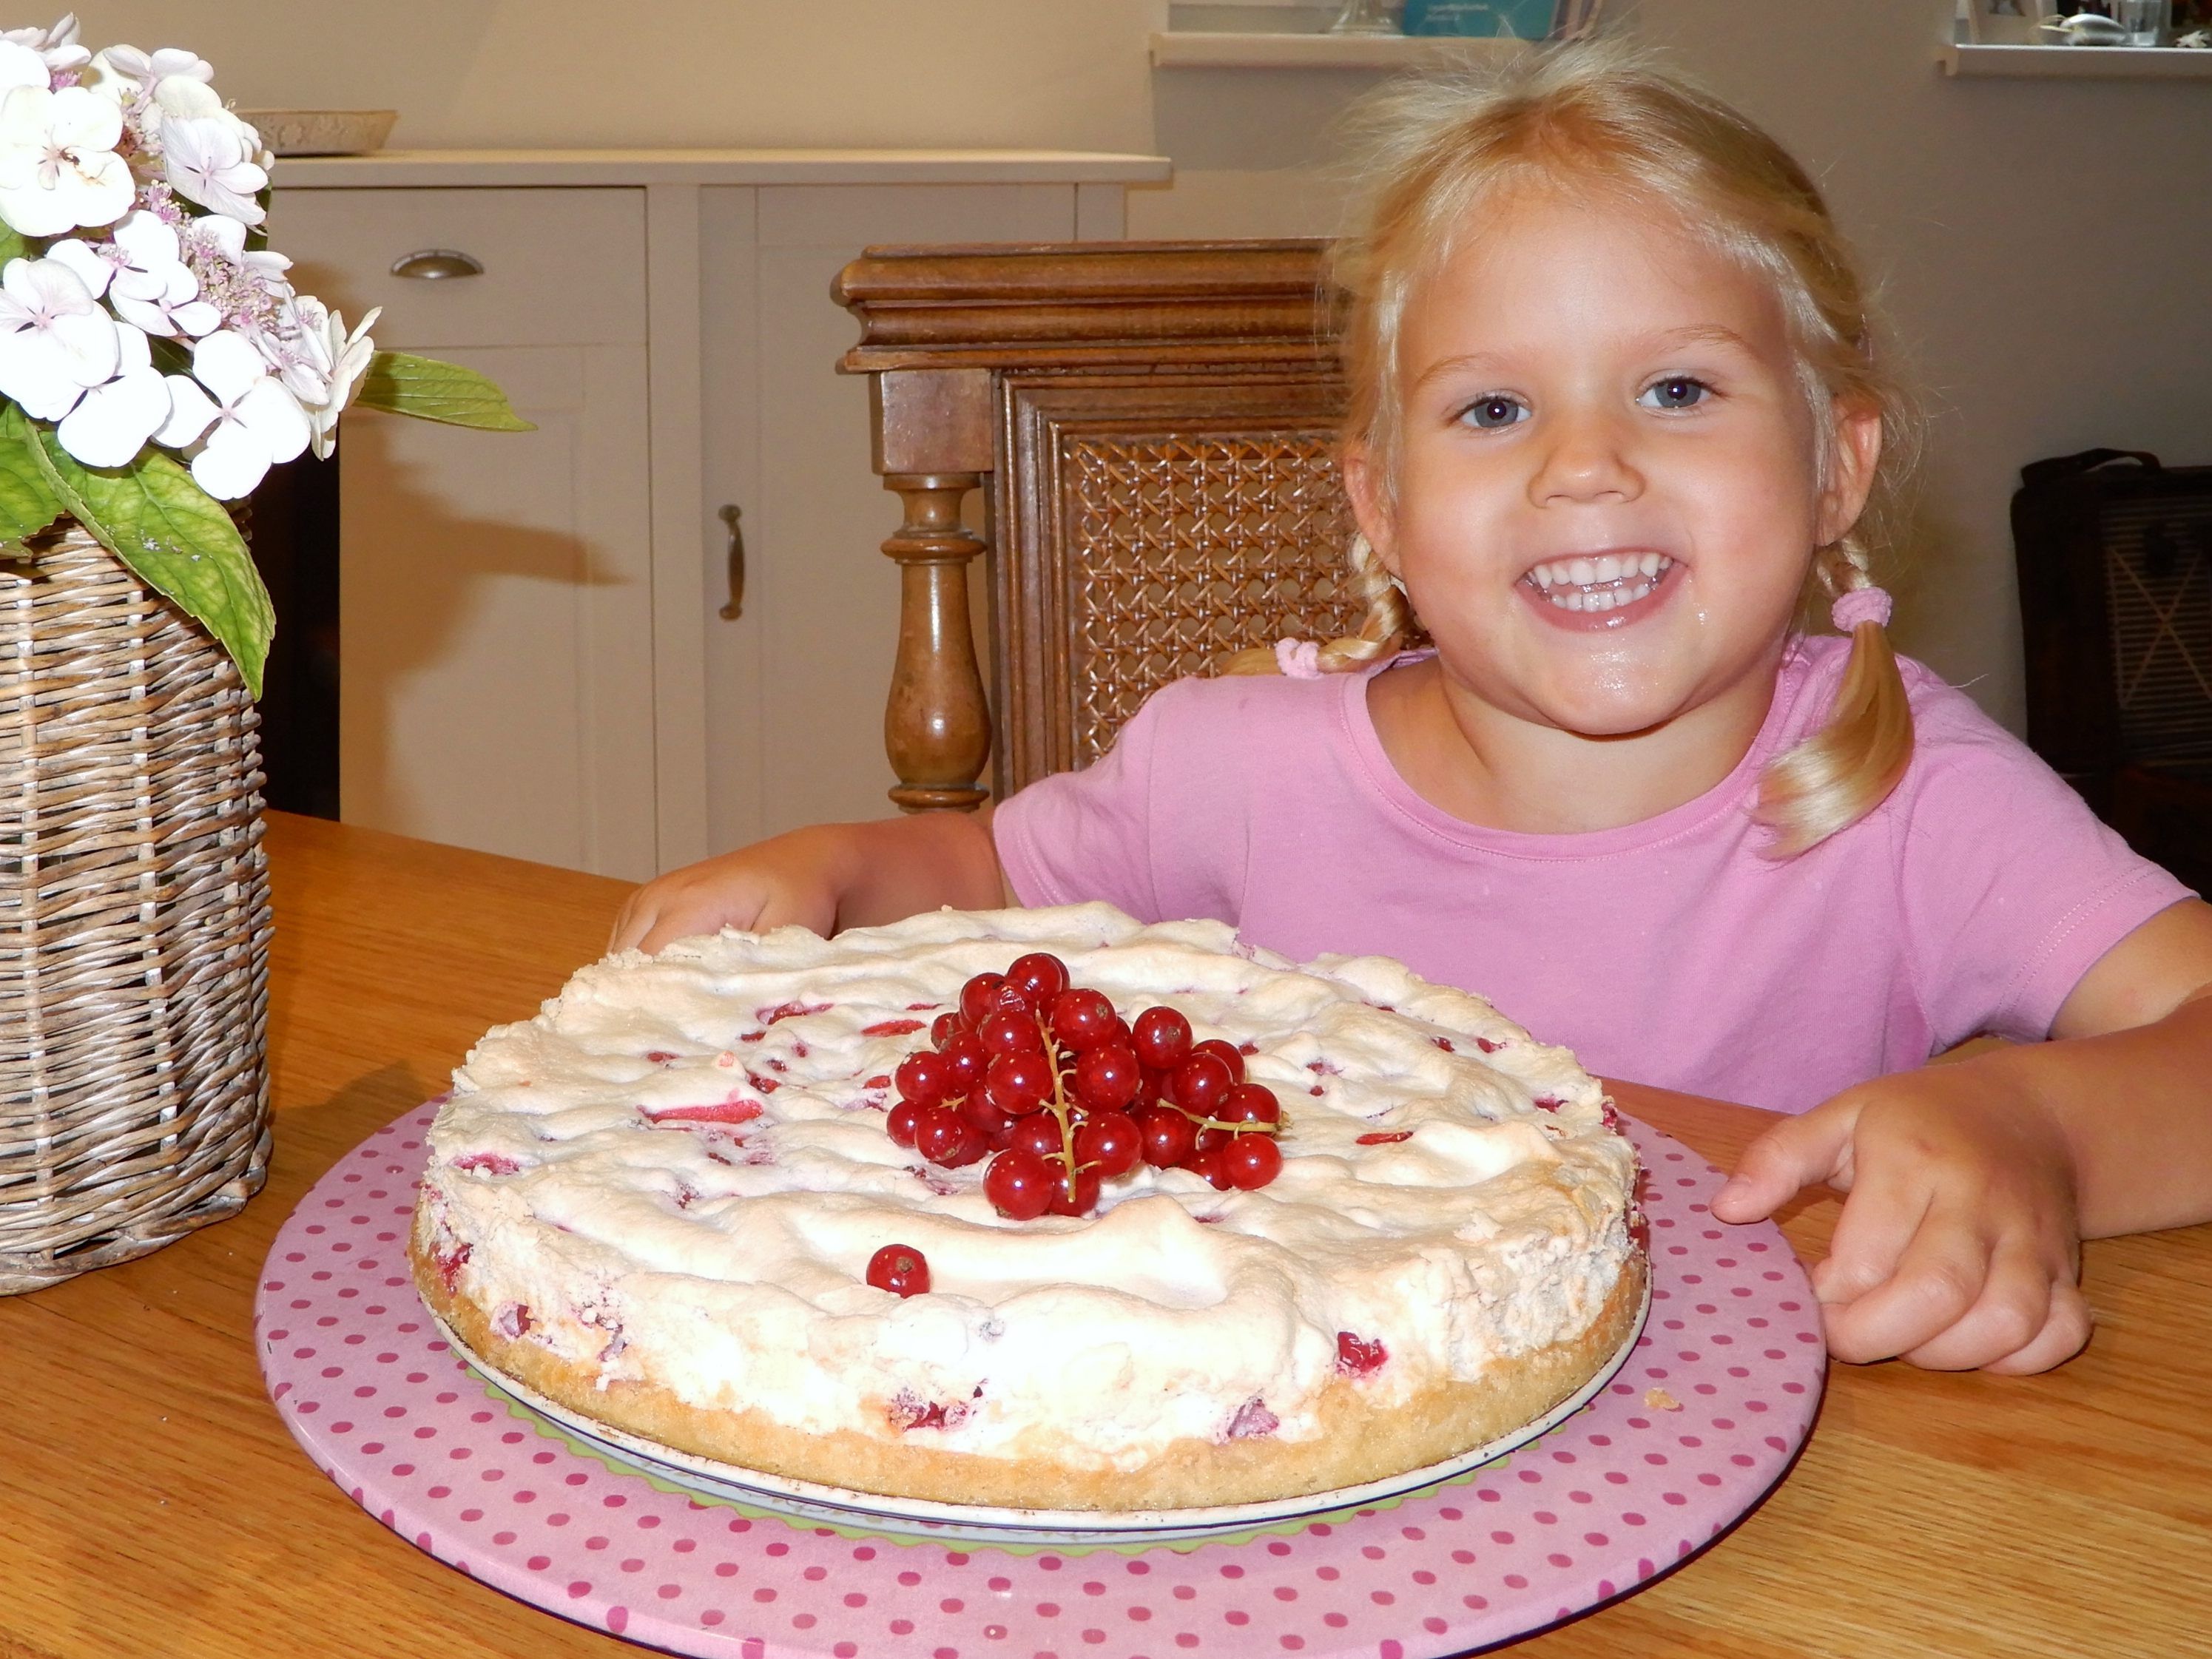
{"x": 1358, "y": 1441}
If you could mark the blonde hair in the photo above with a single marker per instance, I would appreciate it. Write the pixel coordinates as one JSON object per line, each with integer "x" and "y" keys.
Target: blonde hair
{"x": 1600, "y": 116}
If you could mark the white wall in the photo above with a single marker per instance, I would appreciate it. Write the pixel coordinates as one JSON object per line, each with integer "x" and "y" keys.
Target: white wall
{"x": 2043, "y": 244}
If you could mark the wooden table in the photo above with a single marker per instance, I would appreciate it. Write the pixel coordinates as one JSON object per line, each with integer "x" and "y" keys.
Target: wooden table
{"x": 151, "y": 1503}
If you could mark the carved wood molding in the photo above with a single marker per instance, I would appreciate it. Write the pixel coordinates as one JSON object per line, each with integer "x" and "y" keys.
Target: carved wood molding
{"x": 1089, "y": 305}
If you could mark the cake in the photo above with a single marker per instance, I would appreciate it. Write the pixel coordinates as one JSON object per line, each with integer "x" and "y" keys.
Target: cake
{"x": 657, "y": 1204}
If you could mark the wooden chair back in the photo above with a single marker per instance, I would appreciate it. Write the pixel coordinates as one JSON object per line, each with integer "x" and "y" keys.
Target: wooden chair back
{"x": 1155, "y": 425}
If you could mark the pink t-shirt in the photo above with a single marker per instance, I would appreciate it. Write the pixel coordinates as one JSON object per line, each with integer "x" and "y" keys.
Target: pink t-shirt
{"x": 1669, "y": 952}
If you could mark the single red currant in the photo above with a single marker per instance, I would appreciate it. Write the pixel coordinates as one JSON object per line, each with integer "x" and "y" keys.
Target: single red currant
{"x": 1018, "y": 1083}
{"x": 1081, "y": 1019}
{"x": 1202, "y": 1083}
{"x": 1040, "y": 975}
{"x": 939, "y": 1133}
{"x": 1111, "y": 1142}
{"x": 1084, "y": 1200}
{"x": 986, "y": 1116}
{"x": 899, "y": 1122}
{"x": 1169, "y": 1137}
{"x": 1251, "y": 1103}
{"x": 965, "y": 1055}
{"x": 924, "y": 1078}
{"x": 944, "y": 1028}
{"x": 979, "y": 996}
{"x": 1210, "y": 1164}
{"x": 1162, "y": 1038}
{"x": 1224, "y": 1051}
{"x": 1020, "y": 1184}
{"x": 1038, "y": 1133}
{"x": 1109, "y": 1078}
{"x": 1252, "y": 1161}
{"x": 1006, "y": 1032}
{"x": 901, "y": 1269}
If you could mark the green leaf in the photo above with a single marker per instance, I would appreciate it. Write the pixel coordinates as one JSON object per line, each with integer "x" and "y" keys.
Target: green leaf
{"x": 12, "y": 245}
{"x": 27, "y": 502}
{"x": 176, "y": 537}
{"x": 432, "y": 391}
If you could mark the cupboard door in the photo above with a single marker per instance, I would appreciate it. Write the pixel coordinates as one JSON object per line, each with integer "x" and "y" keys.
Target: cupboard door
{"x": 829, "y": 598}
{"x": 495, "y": 588}
{"x": 496, "y": 685}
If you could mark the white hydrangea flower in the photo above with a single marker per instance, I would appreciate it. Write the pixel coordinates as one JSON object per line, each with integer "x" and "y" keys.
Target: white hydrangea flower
{"x": 153, "y": 287}
{"x": 345, "y": 358}
{"x": 121, "y": 71}
{"x": 58, "y": 168}
{"x": 57, "y": 47}
{"x": 56, "y": 340}
{"x": 20, "y": 66}
{"x": 211, "y": 162}
{"x": 252, "y": 423}
{"x": 81, "y": 257}
{"x": 115, "y": 418}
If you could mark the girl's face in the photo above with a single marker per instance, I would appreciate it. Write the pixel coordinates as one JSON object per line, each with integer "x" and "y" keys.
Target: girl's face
{"x": 1606, "y": 503}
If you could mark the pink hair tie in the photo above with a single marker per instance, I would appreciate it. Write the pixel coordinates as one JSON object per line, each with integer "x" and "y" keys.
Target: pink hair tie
{"x": 1861, "y": 604}
{"x": 1299, "y": 659}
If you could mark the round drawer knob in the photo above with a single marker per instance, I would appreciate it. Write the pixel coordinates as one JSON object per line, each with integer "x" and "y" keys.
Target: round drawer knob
{"x": 437, "y": 263}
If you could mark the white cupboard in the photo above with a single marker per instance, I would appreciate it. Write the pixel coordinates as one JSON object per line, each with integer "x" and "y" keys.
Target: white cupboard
{"x": 534, "y": 656}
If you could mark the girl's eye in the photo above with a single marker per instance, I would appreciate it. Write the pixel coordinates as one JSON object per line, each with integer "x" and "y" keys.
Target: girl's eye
{"x": 1494, "y": 411}
{"x": 1676, "y": 391}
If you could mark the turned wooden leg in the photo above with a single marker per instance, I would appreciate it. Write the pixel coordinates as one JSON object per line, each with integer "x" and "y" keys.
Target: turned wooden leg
{"x": 937, "y": 727}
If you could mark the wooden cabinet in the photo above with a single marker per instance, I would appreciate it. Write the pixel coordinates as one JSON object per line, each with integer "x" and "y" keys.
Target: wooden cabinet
{"x": 534, "y": 659}
{"x": 495, "y": 618}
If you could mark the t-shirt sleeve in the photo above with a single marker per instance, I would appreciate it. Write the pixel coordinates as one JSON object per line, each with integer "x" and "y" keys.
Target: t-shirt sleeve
{"x": 1077, "y": 837}
{"x": 2012, "y": 888}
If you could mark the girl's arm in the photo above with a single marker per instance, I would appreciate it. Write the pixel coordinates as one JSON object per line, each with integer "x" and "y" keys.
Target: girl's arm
{"x": 1972, "y": 1184}
{"x": 827, "y": 877}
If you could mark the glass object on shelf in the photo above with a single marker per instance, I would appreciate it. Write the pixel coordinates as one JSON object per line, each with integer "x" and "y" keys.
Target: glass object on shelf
{"x": 1364, "y": 17}
{"x": 2144, "y": 20}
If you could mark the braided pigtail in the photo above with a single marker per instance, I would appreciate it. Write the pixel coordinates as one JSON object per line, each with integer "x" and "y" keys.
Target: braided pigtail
{"x": 1384, "y": 623}
{"x": 1848, "y": 767}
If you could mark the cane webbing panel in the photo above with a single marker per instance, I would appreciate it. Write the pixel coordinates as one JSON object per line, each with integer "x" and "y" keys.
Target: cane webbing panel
{"x": 1182, "y": 549}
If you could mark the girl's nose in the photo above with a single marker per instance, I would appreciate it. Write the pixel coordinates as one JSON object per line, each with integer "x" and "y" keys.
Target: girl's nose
{"x": 1586, "y": 460}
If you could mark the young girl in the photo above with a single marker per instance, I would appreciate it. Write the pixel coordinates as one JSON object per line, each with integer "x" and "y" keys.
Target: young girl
{"x": 1616, "y": 415}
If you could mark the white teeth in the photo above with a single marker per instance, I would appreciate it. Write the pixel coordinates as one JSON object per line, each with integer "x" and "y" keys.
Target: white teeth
{"x": 1605, "y": 582}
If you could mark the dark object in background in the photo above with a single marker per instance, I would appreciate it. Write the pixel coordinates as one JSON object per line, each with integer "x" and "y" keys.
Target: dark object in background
{"x": 2115, "y": 559}
{"x": 295, "y": 544}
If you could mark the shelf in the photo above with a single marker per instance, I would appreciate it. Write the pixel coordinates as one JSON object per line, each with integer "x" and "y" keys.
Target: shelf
{"x": 1191, "y": 50}
{"x": 2081, "y": 63}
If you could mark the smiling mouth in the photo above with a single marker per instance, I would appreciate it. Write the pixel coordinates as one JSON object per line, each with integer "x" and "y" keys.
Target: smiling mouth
{"x": 1600, "y": 582}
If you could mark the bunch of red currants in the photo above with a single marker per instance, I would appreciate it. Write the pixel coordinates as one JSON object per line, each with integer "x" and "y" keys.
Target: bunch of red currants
{"x": 1064, "y": 1094}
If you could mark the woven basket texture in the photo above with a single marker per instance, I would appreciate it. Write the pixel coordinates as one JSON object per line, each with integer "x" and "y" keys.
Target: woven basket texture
{"x": 134, "y": 920}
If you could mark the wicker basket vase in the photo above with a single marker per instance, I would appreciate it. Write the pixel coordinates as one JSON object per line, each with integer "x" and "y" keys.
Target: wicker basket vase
{"x": 134, "y": 920}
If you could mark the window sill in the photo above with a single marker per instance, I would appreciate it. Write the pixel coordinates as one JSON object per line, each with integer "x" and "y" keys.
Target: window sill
{"x": 2079, "y": 62}
{"x": 1192, "y": 50}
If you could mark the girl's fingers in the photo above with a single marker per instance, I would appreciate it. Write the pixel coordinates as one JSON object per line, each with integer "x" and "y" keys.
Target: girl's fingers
{"x": 2009, "y": 1314}
{"x": 632, "y": 922}
{"x": 1796, "y": 1153}
{"x": 2065, "y": 1334}
{"x": 1879, "y": 1224}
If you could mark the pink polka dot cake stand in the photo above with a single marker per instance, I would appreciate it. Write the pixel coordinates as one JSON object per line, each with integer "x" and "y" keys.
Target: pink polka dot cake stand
{"x": 1705, "y": 1416}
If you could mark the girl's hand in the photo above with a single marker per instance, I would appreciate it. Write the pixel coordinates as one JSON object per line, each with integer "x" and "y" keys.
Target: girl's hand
{"x": 830, "y": 876}
{"x": 1958, "y": 1245}
{"x": 755, "y": 888}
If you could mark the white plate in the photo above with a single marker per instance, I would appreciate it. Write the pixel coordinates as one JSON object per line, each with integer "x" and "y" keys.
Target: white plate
{"x": 915, "y": 1517}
